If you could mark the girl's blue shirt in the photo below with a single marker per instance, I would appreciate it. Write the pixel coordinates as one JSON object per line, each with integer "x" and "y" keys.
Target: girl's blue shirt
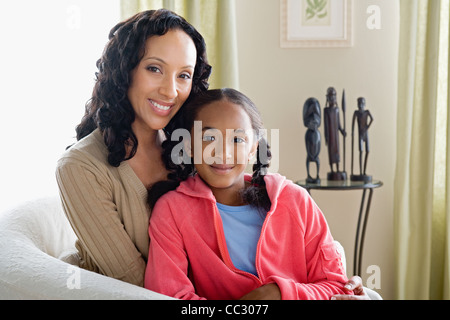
{"x": 242, "y": 227}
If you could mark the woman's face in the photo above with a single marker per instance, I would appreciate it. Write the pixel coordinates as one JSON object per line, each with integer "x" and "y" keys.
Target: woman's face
{"x": 162, "y": 80}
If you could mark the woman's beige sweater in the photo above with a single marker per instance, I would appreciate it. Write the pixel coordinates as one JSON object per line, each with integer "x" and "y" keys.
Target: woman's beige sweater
{"x": 107, "y": 208}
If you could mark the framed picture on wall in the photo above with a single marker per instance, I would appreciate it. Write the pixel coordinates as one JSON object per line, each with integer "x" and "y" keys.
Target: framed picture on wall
{"x": 316, "y": 23}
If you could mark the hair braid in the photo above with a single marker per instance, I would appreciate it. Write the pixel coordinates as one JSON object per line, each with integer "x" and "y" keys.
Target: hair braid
{"x": 177, "y": 172}
{"x": 256, "y": 194}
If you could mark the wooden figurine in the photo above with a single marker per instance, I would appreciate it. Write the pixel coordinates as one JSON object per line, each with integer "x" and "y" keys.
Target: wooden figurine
{"x": 332, "y": 129}
{"x": 312, "y": 118}
{"x": 364, "y": 120}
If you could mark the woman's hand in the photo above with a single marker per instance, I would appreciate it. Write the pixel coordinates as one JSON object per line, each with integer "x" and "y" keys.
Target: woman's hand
{"x": 355, "y": 285}
{"x": 266, "y": 292}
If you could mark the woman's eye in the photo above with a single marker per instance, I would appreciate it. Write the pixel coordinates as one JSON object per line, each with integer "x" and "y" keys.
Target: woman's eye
{"x": 185, "y": 76}
{"x": 239, "y": 140}
{"x": 153, "y": 69}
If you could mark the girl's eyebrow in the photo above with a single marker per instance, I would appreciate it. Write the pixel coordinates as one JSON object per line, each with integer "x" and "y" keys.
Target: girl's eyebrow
{"x": 208, "y": 128}
{"x": 236, "y": 131}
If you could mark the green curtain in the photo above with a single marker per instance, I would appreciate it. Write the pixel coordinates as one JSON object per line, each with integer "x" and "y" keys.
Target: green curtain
{"x": 422, "y": 193}
{"x": 215, "y": 20}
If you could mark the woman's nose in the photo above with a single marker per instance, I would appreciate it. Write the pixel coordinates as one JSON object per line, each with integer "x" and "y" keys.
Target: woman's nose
{"x": 169, "y": 87}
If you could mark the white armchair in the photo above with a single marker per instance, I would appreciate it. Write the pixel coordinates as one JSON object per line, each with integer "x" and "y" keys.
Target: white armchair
{"x": 38, "y": 259}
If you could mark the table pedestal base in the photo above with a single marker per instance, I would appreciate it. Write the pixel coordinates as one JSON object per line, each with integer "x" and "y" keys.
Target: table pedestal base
{"x": 361, "y": 231}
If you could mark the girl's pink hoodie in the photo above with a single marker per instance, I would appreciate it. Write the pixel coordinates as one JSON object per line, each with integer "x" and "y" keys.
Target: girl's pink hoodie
{"x": 188, "y": 256}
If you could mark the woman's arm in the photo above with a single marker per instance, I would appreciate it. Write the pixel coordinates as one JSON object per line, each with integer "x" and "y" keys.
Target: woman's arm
{"x": 87, "y": 199}
{"x": 355, "y": 285}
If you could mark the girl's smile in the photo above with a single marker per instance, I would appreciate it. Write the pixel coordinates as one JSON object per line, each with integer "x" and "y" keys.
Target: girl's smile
{"x": 221, "y": 169}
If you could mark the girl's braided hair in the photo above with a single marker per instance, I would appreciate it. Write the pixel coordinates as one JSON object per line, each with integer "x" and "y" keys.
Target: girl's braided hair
{"x": 109, "y": 108}
{"x": 256, "y": 194}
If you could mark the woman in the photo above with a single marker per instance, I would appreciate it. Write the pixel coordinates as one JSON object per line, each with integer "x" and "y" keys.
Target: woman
{"x": 151, "y": 65}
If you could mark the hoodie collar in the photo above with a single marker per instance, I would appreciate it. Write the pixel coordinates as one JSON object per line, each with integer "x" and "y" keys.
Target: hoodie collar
{"x": 196, "y": 187}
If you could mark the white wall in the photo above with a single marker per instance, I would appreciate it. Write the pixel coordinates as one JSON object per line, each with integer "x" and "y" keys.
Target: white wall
{"x": 280, "y": 80}
{"x": 47, "y": 63}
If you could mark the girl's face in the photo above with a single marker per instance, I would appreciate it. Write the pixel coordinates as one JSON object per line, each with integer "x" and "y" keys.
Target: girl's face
{"x": 162, "y": 80}
{"x": 227, "y": 143}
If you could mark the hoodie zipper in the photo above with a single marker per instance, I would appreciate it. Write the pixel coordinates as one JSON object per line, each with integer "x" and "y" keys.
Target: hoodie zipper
{"x": 224, "y": 252}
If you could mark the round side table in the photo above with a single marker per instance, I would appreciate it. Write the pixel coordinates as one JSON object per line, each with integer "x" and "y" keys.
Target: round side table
{"x": 363, "y": 211}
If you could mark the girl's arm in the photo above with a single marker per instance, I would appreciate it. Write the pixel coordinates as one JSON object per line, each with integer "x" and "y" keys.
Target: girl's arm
{"x": 167, "y": 267}
{"x": 325, "y": 273}
{"x": 326, "y": 277}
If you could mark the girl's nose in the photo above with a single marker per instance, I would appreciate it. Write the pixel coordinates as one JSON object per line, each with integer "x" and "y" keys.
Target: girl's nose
{"x": 223, "y": 152}
{"x": 227, "y": 152}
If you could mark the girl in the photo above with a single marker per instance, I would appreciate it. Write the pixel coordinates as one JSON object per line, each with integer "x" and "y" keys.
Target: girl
{"x": 223, "y": 234}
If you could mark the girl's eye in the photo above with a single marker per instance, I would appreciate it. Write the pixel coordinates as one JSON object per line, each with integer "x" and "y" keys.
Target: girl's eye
{"x": 239, "y": 140}
{"x": 209, "y": 138}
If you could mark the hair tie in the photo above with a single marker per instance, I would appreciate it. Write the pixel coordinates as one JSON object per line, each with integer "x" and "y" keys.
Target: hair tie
{"x": 263, "y": 170}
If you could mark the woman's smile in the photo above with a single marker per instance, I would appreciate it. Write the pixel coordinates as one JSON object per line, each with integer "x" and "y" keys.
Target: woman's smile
{"x": 161, "y": 108}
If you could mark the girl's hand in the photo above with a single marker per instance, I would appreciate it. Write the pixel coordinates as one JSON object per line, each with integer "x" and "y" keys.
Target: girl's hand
{"x": 355, "y": 285}
{"x": 266, "y": 292}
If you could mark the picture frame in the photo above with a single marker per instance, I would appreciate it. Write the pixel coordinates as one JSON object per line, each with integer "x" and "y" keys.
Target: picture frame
{"x": 316, "y": 23}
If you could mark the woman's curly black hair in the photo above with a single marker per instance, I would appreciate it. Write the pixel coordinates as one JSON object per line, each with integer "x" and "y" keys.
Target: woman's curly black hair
{"x": 109, "y": 108}
{"x": 256, "y": 194}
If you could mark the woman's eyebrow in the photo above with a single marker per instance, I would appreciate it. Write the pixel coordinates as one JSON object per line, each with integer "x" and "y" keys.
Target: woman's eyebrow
{"x": 165, "y": 63}
{"x": 156, "y": 58}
